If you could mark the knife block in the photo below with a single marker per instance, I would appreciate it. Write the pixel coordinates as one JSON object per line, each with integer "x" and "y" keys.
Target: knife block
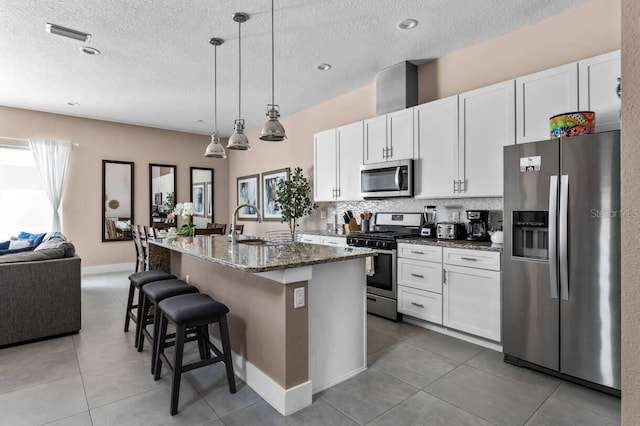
{"x": 352, "y": 225}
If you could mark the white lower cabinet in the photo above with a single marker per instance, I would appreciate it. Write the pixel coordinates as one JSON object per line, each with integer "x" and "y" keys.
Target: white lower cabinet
{"x": 425, "y": 305}
{"x": 310, "y": 239}
{"x": 471, "y": 301}
{"x": 333, "y": 241}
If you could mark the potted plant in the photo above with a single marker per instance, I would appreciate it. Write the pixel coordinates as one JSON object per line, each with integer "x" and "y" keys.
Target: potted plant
{"x": 293, "y": 199}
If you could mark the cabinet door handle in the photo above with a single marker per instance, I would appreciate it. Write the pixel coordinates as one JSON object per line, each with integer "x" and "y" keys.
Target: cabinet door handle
{"x": 419, "y": 305}
{"x": 462, "y": 186}
{"x": 417, "y": 252}
{"x": 473, "y": 259}
{"x": 390, "y": 152}
{"x": 454, "y": 186}
{"x": 444, "y": 276}
{"x": 332, "y": 242}
{"x": 384, "y": 152}
{"x": 417, "y": 276}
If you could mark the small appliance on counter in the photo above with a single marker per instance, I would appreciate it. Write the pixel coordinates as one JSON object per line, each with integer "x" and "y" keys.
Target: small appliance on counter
{"x": 478, "y": 225}
{"x": 450, "y": 231}
{"x": 428, "y": 228}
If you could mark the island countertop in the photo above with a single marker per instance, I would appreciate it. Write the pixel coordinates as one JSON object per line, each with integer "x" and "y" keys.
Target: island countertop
{"x": 260, "y": 257}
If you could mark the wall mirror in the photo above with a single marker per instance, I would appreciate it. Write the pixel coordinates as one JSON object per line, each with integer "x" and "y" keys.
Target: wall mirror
{"x": 117, "y": 200}
{"x": 162, "y": 194}
{"x": 202, "y": 196}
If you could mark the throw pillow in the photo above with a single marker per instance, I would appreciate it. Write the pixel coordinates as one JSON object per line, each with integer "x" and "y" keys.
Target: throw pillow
{"x": 37, "y": 238}
{"x": 4, "y": 245}
{"x": 20, "y": 244}
{"x": 10, "y": 251}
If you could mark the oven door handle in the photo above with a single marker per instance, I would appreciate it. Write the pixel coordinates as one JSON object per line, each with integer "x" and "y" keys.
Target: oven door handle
{"x": 384, "y": 251}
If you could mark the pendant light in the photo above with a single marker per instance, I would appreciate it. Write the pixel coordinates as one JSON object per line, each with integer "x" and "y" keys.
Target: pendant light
{"x": 215, "y": 148}
{"x": 238, "y": 139}
{"x": 273, "y": 131}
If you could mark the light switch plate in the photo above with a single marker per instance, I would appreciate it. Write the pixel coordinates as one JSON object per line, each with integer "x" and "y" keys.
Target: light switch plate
{"x": 298, "y": 298}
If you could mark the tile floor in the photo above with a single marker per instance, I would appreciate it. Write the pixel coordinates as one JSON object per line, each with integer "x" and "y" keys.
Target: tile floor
{"x": 416, "y": 377}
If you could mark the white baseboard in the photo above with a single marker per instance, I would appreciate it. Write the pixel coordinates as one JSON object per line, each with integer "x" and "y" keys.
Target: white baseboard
{"x": 285, "y": 401}
{"x": 105, "y": 269}
{"x": 457, "y": 334}
{"x": 340, "y": 380}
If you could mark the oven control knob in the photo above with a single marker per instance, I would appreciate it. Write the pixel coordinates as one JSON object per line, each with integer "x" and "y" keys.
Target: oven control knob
{"x": 381, "y": 244}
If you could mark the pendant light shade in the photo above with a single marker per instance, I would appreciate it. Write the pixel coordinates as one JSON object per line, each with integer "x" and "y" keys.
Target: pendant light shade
{"x": 215, "y": 148}
{"x": 273, "y": 131}
{"x": 239, "y": 140}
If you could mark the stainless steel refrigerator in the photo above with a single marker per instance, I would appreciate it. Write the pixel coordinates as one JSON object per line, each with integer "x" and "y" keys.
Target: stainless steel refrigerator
{"x": 561, "y": 271}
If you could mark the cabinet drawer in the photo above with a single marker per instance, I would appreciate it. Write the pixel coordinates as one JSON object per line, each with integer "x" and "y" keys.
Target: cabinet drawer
{"x": 472, "y": 258}
{"x": 420, "y": 304}
{"x": 311, "y": 239}
{"x": 334, "y": 241}
{"x": 420, "y": 252}
{"x": 420, "y": 275}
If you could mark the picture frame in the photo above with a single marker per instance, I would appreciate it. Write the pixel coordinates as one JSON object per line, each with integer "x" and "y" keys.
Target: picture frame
{"x": 270, "y": 181}
{"x": 209, "y": 200}
{"x": 248, "y": 191}
{"x": 197, "y": 194}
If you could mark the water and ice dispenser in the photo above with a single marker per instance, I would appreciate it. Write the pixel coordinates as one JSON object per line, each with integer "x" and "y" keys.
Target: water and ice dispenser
{"x": 531, "y": 234}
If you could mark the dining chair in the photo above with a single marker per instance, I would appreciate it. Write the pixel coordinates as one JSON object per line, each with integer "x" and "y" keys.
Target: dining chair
{"x": 239, "y": 229}
{"x": 139, "y": 250}
{"x": 209, "y": 231}
{"x": 281, "y": 236}
{"x": 218, "y": 225}
{"x": 144, "y": 243}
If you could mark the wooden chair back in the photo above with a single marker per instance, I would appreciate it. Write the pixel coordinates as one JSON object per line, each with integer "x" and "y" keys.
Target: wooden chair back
{"x": 239, "y": 229}
{"x": 140, "y": 259}
{"x": 223, "y": 226}
{"x": 209, "y": 231}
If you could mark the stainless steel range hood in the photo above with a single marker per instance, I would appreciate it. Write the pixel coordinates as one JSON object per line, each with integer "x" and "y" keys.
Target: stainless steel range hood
{"x": 396, "y": 87}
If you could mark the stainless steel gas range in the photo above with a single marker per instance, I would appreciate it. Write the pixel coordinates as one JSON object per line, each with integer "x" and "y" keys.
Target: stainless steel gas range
{"x": 382, "y": 292}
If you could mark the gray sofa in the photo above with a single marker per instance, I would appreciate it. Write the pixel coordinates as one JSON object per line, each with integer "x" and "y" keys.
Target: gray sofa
{"x": 39, "y": 294}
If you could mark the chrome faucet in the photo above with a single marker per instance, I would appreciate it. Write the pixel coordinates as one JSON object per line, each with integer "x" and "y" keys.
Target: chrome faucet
{"x": 233, "y": 236}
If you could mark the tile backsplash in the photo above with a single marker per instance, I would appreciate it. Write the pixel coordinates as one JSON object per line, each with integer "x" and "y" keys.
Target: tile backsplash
{"x": 445, "y": 208}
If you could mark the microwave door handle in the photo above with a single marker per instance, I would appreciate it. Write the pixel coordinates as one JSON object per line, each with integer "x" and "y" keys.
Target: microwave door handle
{"x": 398, "y": 178}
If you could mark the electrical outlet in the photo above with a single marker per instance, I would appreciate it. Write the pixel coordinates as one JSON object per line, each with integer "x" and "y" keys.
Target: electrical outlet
{"x": 323, "y": 214}
{"x": 186, "y": 278}
{"x": 298, "y": 298}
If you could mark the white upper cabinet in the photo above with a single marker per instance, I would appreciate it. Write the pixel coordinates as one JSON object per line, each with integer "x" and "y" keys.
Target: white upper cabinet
{"x": 436, "y": 148}
{"x": 542, "y": 95}
{"x": 389, "y": 137}
{"x": 486, "y": 125}
{"x": 598, "y": 82}
{"x": 375, "y": 139}
{"x": 400, "y": 135}
{"x": 349, "y": 148}
{"x": 337, "y": 158}
{"x": 325, "y": 166}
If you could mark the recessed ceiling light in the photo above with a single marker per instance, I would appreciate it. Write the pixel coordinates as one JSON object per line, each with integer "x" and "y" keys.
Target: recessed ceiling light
{"x": 68, "y": 32}
{"x": 90, "y": 50}
{"x": 407, "y": 24}
{"x": 73, "y": 104}
{"x": 323, "y": 67}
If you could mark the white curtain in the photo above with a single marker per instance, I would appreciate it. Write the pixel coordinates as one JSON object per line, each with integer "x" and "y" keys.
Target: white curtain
{"x": 52, "y": 158}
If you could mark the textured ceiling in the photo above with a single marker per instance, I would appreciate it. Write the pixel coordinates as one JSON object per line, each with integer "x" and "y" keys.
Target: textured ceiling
{"x": 156, "y": 67}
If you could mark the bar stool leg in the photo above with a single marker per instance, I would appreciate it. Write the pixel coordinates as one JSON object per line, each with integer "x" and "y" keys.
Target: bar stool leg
{"x": 139, "y": 315}
{"x": 160, "y": 342}
{"x": 156, "y": 338}
{"x": 142, "y": 320}
{"x": 226, "y": 348}
{"x": 206, "y": 342}
{"x": 177, "y": 368}
{"x": 132, "y": 290}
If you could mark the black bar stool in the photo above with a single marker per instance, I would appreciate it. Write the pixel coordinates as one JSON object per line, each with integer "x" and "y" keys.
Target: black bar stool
{"x": 137, "y": 281}
{"x": 154, "y": 293}
{"x": 186, "y": 312}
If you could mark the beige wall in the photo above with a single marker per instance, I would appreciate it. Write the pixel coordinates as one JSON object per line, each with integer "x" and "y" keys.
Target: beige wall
{"x": 579, "y": 33}
{"x": 630, "y": 153}
{"x": 111, "y": 141}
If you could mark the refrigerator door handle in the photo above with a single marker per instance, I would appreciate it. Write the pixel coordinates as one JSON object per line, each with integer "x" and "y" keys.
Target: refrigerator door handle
{"x": 564, "y": 237}
{"x": 553, "y": 255}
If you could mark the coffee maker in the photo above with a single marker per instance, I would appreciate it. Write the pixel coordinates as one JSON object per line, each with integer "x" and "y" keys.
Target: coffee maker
{"x": 428, "y": 228}
{"x": 478, "y": 225}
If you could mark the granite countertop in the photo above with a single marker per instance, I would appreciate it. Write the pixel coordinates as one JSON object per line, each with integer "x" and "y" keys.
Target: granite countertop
{"x": 264, "y": 257}
{"x": 323, "y": 233}
{"x": 460, "y": 244}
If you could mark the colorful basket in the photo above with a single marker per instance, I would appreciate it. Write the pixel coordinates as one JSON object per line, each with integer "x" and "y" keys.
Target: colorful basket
{"x": 572, "y": 124}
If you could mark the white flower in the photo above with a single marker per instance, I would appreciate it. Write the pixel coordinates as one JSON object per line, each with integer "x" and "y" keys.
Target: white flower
{"x": 184, "y": 209}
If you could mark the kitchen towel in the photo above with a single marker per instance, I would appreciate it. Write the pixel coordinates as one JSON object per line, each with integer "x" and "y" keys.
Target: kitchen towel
{"x": 368, "y": 266}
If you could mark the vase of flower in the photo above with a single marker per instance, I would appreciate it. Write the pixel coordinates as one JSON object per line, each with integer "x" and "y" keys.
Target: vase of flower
{"x": 185, "y": 211}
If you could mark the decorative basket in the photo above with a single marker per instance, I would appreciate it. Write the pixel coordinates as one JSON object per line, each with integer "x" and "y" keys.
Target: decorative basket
{"x": 572, "y": 124}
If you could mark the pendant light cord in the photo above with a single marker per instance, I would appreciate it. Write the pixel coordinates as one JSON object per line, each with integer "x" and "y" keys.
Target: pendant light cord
{"x": 239, "y": 69}
{"x": 215, "y": 88}
{"x": 273, "y": 96}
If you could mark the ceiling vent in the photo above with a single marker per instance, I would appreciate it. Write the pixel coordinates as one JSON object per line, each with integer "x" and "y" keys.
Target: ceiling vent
{"x": 396, "y": 87}
{"x": 68, "y": 32}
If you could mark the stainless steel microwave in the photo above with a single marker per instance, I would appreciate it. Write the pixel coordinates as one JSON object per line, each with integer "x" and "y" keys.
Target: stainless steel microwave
{"x": 385, "y": 180}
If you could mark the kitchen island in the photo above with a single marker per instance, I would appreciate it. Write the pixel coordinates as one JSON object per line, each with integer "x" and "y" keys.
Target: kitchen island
{"x": 297, "y": 316}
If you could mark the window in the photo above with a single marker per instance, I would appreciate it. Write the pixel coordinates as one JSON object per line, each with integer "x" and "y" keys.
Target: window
{"x": 24, "y": 205}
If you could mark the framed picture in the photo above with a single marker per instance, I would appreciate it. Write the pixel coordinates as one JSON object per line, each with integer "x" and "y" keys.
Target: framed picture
{"x": 209, "y": 200}
{"x": 248, "y": 193}
{"x": 270, "y": 181}
{"x": 197, "y": 193}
